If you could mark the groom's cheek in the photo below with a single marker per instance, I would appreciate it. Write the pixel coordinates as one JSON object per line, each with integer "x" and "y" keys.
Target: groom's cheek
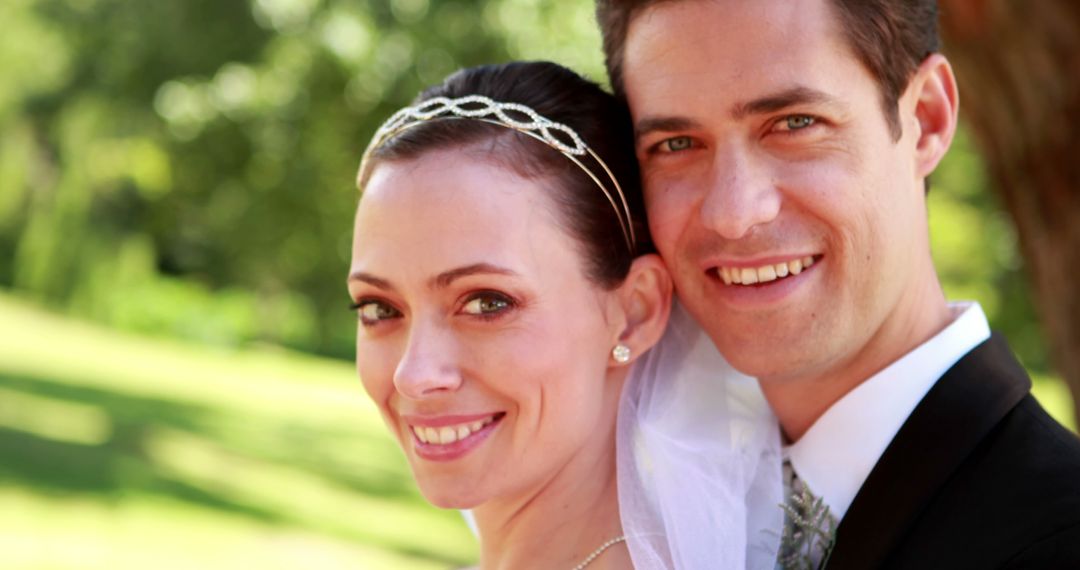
{"x": 669, "y": 204}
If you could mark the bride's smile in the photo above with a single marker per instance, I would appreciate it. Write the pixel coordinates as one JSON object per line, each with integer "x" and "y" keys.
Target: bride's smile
{"x": 445, "y": 438}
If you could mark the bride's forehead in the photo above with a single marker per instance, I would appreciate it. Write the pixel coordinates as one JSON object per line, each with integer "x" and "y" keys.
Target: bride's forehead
{"x": 455, "y": 182}
{"x": 412, "y": 252}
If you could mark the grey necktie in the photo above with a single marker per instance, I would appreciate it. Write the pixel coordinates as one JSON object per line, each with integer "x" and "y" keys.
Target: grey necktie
{"x": 809, "y": 527}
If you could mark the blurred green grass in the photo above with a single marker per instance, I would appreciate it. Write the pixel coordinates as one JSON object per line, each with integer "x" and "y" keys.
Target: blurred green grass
{"x": 118, "y": 452}
{"x": 123, "y": 452}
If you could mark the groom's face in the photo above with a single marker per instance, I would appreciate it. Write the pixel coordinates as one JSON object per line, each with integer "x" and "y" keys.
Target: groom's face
{"x": 786, "y": 209}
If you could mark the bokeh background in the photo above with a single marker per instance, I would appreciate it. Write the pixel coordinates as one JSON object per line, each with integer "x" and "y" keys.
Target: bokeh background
{"x": 176, "y": 194}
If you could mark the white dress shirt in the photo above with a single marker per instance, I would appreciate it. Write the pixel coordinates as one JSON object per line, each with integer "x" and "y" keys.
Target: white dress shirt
{"x": 835, "y": 456}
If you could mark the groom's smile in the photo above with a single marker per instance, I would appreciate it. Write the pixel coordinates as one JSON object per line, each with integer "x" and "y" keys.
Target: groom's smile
{"x": 762, "y": 284}
{"x": 761, "y": 274}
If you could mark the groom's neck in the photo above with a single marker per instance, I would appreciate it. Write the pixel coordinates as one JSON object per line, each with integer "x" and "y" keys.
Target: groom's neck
{"x": 799, "y": 400}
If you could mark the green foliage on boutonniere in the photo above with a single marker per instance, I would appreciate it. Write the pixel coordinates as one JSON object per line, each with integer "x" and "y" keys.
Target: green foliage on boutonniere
{"x": 810, "y": 528}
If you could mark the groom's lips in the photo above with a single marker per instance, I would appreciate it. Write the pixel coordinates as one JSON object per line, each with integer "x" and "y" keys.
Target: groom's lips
{"x": 761, "y": 282}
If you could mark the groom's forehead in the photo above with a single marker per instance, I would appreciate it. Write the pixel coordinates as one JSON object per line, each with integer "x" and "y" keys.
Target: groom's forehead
{"x": 740, "y": 49}
{"x": 622, "y": 20}
{"x": 666, "y": 21}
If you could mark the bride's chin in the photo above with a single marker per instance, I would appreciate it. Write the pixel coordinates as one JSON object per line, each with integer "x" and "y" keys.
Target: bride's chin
{"x": 443, "y": 501}
{"x": 447, "y": 498}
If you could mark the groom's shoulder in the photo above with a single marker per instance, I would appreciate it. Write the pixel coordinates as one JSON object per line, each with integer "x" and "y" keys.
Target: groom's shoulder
{"x": 1030, "y": 450}
{"x": 1025, "y": 472}
{"x": 978, "y": 476}
{"x": 1026, "y": 445}
{"x": 1016, "y": 498}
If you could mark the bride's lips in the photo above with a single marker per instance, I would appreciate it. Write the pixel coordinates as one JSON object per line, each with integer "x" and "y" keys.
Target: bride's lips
{"x": 446, "y": 438}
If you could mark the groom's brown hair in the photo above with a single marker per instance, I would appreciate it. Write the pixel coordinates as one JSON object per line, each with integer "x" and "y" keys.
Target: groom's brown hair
{"x": 890, "y": 37}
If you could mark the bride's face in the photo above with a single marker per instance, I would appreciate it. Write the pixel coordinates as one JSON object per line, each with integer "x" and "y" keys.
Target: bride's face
{"x": 480, "y": 338}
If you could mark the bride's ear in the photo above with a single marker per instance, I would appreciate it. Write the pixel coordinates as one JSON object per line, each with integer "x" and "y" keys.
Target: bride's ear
{"x": 645, "y": 298}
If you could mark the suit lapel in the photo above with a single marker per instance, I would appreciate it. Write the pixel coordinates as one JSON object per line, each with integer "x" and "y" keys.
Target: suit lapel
{"x": 961, "y": 408}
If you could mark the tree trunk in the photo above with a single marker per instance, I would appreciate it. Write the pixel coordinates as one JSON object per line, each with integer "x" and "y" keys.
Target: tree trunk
{"x": 1018, "y": 65}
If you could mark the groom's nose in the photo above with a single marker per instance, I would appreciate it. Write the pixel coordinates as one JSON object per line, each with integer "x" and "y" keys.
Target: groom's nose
{"x": 741, "y": 193}
{"x": 428, "y": 366}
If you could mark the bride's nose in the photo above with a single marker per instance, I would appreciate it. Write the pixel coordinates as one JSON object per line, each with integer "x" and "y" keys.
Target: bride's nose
{"x": 429, "y": 365}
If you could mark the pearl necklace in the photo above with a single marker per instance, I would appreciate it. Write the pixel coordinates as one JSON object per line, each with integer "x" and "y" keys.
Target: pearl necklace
{"x": 599, "y": 551}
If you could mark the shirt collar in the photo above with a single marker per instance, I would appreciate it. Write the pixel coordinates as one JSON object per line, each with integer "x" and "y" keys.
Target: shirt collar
{"x": 835, "y": 456}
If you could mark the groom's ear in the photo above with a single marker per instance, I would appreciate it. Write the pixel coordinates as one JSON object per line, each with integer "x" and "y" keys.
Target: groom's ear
{"x": 934, "y": 101}
{"x": 645, "y": 297}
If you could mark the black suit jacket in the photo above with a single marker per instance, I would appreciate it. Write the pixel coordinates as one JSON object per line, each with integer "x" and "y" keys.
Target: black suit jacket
{"x": 978, "y": 477}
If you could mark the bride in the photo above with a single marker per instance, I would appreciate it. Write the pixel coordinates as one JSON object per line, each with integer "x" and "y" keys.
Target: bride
{"x": 506, "y": 292}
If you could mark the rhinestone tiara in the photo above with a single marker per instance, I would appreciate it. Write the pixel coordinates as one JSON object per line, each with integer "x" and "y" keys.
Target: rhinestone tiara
{"x": 512, "y": 116}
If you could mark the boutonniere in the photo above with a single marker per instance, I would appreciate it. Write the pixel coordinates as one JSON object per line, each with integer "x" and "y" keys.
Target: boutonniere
{"x": 810, "y": 529}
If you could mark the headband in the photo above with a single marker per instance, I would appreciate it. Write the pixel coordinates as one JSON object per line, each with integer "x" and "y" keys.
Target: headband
{"x": 477, "y": 107}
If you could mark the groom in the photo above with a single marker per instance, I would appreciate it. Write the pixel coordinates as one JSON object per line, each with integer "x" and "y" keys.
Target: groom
{"x": 785, "y": 148}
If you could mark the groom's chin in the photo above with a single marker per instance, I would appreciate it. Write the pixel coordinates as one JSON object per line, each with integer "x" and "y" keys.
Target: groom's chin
{"x": 764, "y": 351}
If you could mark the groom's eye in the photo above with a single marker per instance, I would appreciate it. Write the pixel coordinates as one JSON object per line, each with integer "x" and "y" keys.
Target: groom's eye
{"x": 795, "y": 123}
{"x": 676, "y": 144}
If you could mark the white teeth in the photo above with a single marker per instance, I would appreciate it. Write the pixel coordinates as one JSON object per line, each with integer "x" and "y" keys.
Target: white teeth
{"x": 765, "y": 273}
{"x": 449, "y": 434}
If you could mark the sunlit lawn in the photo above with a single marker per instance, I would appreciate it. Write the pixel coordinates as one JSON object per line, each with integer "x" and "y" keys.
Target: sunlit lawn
{"x": 121, "y": 452}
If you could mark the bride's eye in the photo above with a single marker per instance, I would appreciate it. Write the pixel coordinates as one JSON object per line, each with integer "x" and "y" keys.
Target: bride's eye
{"x": 487, "y": 304}
{"x": 372, "y": 311}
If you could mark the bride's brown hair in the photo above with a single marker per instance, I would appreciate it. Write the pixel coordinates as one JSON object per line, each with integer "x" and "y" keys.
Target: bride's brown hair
{"x": 560, "y": 95}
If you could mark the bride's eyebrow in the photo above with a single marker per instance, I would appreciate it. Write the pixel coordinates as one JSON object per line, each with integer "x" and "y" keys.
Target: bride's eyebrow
{"x": 372, "y": 280}
{"x": 444, "y": 279}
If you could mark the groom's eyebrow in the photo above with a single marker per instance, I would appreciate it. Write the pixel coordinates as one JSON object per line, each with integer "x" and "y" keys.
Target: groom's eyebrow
{"x": 773, "y": 102}
{"x": 650, "y": 125}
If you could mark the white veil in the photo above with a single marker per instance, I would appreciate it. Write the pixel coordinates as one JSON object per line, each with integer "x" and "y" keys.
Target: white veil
{"x": 699, "y": 463}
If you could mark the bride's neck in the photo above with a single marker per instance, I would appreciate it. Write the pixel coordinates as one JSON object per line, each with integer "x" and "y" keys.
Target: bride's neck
{"x": 560, "y": 523}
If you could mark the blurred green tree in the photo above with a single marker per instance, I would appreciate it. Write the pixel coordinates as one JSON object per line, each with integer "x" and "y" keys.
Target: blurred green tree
{"x": 185, "y": 166}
